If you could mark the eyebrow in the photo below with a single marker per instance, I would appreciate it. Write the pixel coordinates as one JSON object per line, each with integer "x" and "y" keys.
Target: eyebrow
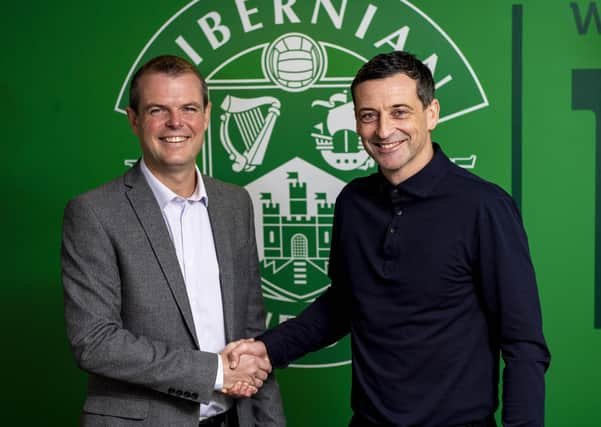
{"x": 402, "y": 105}
{"x": 187, "y": 104}
{"x": 391, "y": 107}
{"x": 153, "y": 105}
{"x": 195, "y": 104}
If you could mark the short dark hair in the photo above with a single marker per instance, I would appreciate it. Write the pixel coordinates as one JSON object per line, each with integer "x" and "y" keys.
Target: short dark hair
{"x": 398, "y": 62}
{"x": 165, "y": 64}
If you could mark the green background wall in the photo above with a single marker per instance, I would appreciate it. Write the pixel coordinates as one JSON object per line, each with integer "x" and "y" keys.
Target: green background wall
{"x": 63, "y": 65}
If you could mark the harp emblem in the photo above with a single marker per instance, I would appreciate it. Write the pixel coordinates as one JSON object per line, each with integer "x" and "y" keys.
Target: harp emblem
{"x": 249, "y": 122}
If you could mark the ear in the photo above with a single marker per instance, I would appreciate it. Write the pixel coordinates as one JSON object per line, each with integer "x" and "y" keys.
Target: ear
{"x": 207, "y": 114}
{"x": 432, "y": 114}
{"x": 133, "y": 119}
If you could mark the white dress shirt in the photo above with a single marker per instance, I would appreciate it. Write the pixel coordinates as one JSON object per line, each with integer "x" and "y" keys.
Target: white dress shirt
{"x": 187, "y": 219}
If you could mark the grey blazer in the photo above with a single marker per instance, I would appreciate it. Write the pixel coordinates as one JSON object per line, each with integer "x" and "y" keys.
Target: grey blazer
{"x": 127, "y": 313}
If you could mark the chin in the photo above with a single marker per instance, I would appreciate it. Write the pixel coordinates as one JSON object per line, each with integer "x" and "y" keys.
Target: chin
{"x": 392, "y": 165}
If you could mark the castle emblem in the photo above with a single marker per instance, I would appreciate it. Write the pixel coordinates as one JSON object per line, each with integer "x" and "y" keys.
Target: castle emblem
{"x": 296, "y": 245}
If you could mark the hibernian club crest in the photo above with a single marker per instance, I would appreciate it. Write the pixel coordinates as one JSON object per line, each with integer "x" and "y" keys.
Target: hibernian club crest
{"x": 283, "y": 124}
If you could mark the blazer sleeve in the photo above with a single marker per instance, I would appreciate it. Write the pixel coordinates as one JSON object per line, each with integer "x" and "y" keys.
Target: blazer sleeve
{"x": 266, "y": 404}
{"x": 92, "y": 283}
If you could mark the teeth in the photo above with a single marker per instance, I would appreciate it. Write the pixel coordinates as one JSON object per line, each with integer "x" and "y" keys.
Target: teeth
{"x": 175, "y": 138}
{"x": 388, "y": 144}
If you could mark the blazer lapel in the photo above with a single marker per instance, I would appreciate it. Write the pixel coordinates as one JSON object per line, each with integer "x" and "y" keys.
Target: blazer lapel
{"x": 148, "y": 212}
{"x": 217, "y": 207}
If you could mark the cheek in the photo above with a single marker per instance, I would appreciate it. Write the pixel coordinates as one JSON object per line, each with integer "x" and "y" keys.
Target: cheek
{"x": 198, "y": 125}
{"x": 153, "y": 128}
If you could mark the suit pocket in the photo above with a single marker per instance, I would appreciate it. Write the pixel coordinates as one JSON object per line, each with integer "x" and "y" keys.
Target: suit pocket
{"x": 131, "y": 409}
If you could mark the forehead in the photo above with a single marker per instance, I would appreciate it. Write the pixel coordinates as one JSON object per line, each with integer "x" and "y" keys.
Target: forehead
{"x": 161, "y": 87}
{"x": 396, "y": 89}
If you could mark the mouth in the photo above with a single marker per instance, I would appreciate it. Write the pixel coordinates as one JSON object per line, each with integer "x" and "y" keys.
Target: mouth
{"x": 174, "y": 139}
{"x": 385, "y": 147}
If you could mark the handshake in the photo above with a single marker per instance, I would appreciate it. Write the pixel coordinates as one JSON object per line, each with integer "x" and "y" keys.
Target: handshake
{"x": 245, "y": 367}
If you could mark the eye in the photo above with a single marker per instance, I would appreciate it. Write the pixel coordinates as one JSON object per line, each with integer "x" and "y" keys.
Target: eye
{"x": 368, "y": 116}
{"x": 190, "y": 109}
{"x": 155, "y": 111}
{"x": 398, "y": 114}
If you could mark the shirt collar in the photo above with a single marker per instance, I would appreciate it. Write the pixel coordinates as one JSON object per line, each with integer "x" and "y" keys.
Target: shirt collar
{"x": 164, "y": 195}
{"x": 423, "y": 182}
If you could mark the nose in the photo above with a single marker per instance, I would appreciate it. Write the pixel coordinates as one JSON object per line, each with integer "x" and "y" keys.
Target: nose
{"x": 174, "y": 120}
{"x": 385, "y": 126}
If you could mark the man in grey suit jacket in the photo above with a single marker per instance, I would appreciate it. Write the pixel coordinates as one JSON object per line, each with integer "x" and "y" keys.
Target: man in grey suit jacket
{"x": 160, "y": 270}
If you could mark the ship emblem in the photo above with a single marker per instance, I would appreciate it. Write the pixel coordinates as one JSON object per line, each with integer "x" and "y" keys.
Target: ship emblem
{"x": 337, "y": 141}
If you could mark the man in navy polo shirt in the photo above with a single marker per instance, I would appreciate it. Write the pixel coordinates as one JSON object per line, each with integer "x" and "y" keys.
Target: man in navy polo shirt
{"x": 431, "y": 275}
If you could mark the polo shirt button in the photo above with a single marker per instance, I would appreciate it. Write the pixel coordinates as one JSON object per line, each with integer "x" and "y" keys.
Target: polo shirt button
{"x": 388, "y": 269}
{"x": 399, "y": 212}
{"x": 392, "y": 230}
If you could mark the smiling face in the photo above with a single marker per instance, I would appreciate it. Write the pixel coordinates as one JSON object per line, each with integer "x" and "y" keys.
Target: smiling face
{"x": 394, "y": 126}
{"x": 170, "y": 123}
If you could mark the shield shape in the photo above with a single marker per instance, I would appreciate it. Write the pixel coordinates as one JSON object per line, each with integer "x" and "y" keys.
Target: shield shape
{"x": 283, "y": 126}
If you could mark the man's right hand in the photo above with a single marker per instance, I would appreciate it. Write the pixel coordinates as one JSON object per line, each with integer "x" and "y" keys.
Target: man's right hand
{"x": 243, "y": 372}
{"x": 246, "y": 347}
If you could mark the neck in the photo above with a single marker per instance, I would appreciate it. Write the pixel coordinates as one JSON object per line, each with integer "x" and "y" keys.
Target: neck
{"x": 181, "y": 182}
{"x": 395, "y": 177}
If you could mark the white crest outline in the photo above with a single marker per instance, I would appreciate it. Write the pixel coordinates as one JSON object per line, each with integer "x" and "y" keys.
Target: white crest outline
{"x": 459, "y": 113}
